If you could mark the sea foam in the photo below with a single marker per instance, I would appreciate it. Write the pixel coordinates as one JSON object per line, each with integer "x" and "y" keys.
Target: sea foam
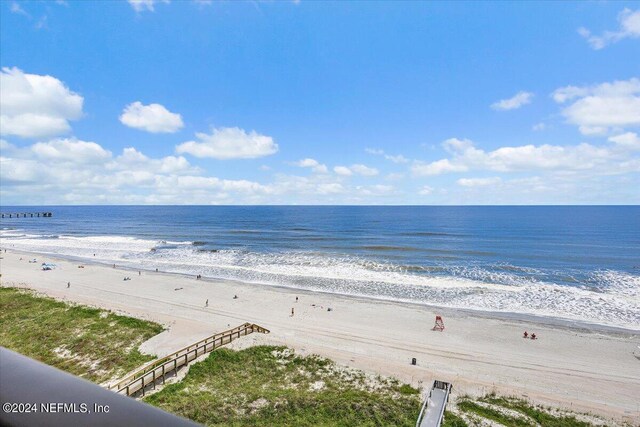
{"x": 606, "y": 297}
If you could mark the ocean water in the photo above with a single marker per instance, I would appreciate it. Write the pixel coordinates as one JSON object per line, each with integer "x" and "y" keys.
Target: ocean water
{"x": 575, "y": 263}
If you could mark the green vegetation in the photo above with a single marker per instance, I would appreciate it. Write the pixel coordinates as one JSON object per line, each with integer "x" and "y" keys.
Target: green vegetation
{"x": 493, "y": 414}
{"x": 271, "y": 386}
{"x": 509, "y": 412}
{"x": 452, "y": 420}
{"x": 258, "y": 386}
{"x": 536, "y": 413}
{"x": 88, "y": 342}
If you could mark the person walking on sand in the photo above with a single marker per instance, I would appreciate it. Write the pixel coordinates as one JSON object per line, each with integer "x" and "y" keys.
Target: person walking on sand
{"x": 296, "y": 299}
{"x": 206, "y": 303}
{"x": 68, "y": 285}
{"x": 292, "y": 311}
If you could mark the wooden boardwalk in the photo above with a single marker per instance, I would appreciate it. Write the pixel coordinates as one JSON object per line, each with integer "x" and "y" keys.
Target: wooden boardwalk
{"x": 149, "y": 374}
{"x": 432, "y": 413}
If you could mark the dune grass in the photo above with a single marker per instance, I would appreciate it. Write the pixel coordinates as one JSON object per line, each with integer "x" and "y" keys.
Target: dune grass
{"x": 453, "y": 420}
{"x": 272, "y": 386}
{"x": 538, "y": 414}
{"x": 91, "y": 343}
{"x": 511, "y": 412}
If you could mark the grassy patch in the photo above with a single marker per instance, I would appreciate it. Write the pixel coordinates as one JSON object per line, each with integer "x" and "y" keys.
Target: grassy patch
{"x": 493, "y": 414}
{"x": 452, "y": 420}
{"x": 536, "y": 413}
{"x": 271, "y": 386}
{"x": 515, "y": 412}
{"x": 88, "y": 342}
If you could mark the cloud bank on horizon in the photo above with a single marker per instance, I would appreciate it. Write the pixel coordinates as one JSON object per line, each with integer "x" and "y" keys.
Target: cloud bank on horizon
{"x": 284, "y": 127}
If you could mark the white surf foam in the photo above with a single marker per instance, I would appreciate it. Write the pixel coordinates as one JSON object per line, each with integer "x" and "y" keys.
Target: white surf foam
{"x": 612, "y": 298}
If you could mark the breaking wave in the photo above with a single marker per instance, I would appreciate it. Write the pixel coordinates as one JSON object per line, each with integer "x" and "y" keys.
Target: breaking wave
{"x": 605, "y": 297}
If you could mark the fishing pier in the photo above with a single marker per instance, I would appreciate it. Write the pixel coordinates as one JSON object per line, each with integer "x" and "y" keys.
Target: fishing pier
{"x": 27, "y": 215}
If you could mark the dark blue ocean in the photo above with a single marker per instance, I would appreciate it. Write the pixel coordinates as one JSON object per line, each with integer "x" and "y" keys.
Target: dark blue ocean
{"x": 576, "y": 262}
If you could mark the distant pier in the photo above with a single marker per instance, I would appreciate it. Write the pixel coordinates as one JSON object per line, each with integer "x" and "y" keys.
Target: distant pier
{"x": 27, "y": 215}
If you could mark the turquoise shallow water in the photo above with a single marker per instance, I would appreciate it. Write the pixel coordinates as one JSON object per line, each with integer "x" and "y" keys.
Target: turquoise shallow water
{"x": 580, "y": 263}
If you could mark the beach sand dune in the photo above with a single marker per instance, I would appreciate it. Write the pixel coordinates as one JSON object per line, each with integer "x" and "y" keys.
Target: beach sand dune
{"x": 590, "y": 370}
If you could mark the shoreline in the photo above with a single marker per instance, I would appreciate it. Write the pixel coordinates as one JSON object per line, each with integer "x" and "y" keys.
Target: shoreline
{"x": 539, "y": 319}
{"x": 589, "y": 370}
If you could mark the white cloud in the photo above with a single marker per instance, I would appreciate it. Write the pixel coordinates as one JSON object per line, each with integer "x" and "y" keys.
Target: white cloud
{"x": 454, "y": 145}
{"x": 364, "y": 170}
{"x": 71, "y": 150}
{"x": 312, "y": 164}
{"x": 597, "y": 110}
{"x": 229, "y": 143}
{"x": 539, "y": 127}
{"x": 375, "y": 190}
{"x": 425, "y": 190}
{"x": 330, "y": 188}
{"x": 142, "y": 5}
{"x": 342, "y": 170}
{"x": 394, "y": 176}
{"x": 358, "y": 169}
{"x": 16, "y": 8}
{"x": 438, "y": 167}
{"x": 73, "y": 171}
{"x": 6, "y": 146}
{"x": 478, "y": 182}
{"x": 153, "y": 118}
{"x": 629, "y": 140}
{"x": 399, "y": 158}
{"x": 41, "y": 23}
{"x": 32, "y": 105}
{"x": 629, "y": 21}
{"x": 466, "y": 156}
{"x": 518, "y": 100}
{"x": 133, "y": 159}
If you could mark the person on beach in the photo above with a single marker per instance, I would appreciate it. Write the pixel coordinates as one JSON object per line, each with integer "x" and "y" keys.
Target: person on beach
{"x": 533, "y": 336}
{"x": 292, "y": 311}
{"x": 296, "y": 299}
{"x": 235, "y": 297}
{"x": 206, "y": 304}
{"x": 526, "y": 334}
{"x": 68, "y": 285}
{"x": 139, "y": 273}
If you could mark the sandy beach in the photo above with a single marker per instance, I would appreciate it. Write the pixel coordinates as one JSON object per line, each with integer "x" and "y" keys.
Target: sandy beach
{"x": 580, "y": 368}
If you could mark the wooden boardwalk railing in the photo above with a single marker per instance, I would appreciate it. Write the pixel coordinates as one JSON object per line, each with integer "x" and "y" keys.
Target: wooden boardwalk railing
{"x": 432, "y": 412}
{"x": 159, "y": 368}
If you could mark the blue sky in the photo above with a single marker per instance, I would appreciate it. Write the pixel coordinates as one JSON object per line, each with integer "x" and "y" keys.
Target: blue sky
{"x": 198, "y": 102}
